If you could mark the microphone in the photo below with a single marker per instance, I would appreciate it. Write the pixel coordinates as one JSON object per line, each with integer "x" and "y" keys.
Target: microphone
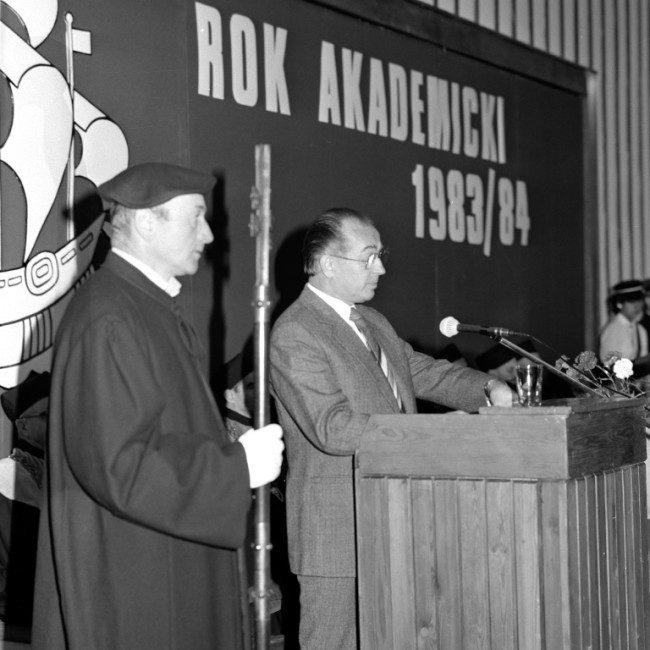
{"x": 450, "y": 327}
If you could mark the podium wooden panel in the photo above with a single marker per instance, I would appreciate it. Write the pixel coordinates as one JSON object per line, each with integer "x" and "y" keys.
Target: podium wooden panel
{"x": 511, "y": 529}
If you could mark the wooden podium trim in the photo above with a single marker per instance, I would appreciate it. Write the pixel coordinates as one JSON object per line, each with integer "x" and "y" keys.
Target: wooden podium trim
{"x": 555, "y": 442}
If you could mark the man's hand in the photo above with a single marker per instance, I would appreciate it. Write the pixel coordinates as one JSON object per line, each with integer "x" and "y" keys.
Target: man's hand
{"x": 263, "y": 449}
{"x": 500, "y": 394}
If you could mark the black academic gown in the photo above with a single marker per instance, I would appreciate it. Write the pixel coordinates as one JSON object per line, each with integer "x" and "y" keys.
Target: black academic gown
{"x": 146, "y": 498}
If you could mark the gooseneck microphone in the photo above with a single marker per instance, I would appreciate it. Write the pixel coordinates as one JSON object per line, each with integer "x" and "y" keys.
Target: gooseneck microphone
{"x": 450, "y": 327}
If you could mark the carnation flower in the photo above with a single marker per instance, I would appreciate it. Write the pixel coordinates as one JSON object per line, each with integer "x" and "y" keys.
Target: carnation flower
{"x": 586, "y": 361}
{"x": 611, "y": 379}
{"x": 623, "y": 368}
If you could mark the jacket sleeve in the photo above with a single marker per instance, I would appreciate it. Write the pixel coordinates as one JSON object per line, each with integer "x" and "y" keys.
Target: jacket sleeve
{"x": 315, "y": 393}
{"x": 440, "y": 381}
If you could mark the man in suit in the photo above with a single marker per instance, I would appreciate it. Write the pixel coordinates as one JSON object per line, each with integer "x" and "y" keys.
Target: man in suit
{"x": 328, "y": 383}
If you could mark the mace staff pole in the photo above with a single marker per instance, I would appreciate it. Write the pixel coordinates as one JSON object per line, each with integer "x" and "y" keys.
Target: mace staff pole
{"x": 260, "y": 227}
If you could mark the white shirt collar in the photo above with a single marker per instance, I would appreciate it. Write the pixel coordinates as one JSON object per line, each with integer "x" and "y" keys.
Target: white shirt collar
{"x": 339, "y": 306}
{"x": 171, "y": 287}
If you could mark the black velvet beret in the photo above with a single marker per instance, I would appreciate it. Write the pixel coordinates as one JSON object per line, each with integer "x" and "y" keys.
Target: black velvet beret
{"x": 150, "y": 184}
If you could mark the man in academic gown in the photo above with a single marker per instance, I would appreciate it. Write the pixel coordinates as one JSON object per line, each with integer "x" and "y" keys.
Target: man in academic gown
{"x": 146, "y": 498}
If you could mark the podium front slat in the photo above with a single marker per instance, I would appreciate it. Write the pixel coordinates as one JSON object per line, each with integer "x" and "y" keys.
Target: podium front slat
{"x": 473, "y": 564}
{"x": 554, "y": 532}
{"x": 447, "y": 578}
{"x": 401, "y": 563}
{"x": 504, "y": 592}
{"x": 426, "y": 580}
{"x": 373, "y": 556}
{"x": 528, "y": 564}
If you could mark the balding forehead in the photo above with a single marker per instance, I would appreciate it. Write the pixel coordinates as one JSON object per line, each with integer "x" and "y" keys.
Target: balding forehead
{"x": 360, "y": 235}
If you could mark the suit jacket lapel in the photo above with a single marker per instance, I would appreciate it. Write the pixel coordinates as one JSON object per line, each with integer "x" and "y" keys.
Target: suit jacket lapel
{"x": 342, "y": 335}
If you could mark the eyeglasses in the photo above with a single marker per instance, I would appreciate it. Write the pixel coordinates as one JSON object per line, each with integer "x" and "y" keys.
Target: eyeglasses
{"x": 382, "y": 255}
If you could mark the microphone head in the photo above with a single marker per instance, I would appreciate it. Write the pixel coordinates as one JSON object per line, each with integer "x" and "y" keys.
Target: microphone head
{"x": 449, "y": 326}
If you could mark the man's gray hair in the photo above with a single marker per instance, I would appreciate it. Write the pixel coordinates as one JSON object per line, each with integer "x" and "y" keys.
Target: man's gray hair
{"x": 325, "y": 231}
{"x": 121, "y": 220}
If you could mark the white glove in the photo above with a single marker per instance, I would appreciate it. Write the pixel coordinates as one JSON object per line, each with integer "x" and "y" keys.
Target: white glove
{"x": 263, "y": 449}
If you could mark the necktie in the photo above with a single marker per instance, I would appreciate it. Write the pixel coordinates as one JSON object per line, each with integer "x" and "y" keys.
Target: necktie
{"x": 376, "y": 350}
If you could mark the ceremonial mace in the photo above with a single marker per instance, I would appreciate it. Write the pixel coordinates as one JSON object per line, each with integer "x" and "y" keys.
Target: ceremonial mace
{"x": 260, "y": 228}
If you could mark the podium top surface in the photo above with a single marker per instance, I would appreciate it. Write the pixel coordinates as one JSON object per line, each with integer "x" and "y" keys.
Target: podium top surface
{"x": 554, "y": 441}
{"x": 566, "y": 406}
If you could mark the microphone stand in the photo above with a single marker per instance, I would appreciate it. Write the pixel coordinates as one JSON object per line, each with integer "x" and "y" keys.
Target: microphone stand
{"x": 524, "y": 353}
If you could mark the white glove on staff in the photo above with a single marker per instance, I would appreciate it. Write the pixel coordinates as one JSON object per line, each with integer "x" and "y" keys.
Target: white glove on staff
{"x": 263, "y": 449}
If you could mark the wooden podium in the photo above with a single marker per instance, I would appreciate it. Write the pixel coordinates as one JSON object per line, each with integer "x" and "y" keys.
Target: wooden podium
{"x": 517, "y": 529}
